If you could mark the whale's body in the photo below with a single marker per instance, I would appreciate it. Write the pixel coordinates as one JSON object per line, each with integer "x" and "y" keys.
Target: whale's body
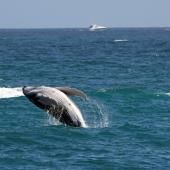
{"x": 56, "y": 102}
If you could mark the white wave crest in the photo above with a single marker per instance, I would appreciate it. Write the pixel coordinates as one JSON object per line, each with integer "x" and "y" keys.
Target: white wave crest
{"x": 162, "y": 94}
{"x": 123, "y": 40}
{"x": 10, "y": 92}
{"x": 168, "y": 94}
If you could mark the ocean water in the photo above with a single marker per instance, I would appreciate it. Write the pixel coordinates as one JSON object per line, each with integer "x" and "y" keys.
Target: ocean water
{"x": 126, "y": 74}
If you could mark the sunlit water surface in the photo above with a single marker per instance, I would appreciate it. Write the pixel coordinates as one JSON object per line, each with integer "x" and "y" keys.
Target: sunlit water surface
{"x": 126, "y": 76}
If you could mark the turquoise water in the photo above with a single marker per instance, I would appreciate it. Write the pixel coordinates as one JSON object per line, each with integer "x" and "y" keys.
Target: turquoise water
{"x": 124, "y": 72}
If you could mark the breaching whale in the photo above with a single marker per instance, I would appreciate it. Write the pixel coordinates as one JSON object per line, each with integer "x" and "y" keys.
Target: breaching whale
{"x": 56, "y": 102}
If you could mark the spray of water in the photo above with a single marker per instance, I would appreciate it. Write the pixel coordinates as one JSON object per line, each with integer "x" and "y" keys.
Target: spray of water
{"x": 98, "y": 117}
{"x": 52, "y": 120}
{"x": 93, "y": 113}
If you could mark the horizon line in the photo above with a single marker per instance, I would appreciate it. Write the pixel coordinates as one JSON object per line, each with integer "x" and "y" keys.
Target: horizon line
{"x": 83, "y": 27}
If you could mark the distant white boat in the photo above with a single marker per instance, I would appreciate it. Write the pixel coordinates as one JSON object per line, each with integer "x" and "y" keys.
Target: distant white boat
{"x": 95, "y": 27}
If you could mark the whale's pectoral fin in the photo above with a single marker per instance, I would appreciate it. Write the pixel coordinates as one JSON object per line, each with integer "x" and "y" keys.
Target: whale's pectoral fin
{"x": 72, "y": 92}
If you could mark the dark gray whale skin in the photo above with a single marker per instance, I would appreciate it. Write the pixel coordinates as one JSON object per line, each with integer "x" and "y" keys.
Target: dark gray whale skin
{"x": 56, "y": 102}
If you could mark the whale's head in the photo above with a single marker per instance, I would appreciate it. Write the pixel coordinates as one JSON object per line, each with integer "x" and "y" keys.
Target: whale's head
{"x": 27, "y": 89}
{"x": 32, "y": 94}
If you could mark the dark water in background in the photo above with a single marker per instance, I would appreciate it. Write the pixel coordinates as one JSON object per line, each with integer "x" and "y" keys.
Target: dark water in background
{"x": 125, "y": 73}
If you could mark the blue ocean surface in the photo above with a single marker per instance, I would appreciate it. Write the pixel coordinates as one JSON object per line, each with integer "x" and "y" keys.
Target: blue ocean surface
{"x": 125, "y": 73}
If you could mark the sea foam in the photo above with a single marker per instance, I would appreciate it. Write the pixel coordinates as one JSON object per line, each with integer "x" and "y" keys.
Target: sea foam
{"x": 6, "y": 92}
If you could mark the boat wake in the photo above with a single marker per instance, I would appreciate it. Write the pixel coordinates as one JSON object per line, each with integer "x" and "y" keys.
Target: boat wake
{"x": 123, "y": 40}
{"x": 7, "y": 92}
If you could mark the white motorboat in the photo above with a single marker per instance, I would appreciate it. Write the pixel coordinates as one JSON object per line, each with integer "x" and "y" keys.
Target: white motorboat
{"x": 95, "y": 27}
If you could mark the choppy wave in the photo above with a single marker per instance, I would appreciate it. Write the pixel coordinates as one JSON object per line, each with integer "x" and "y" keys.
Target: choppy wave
{"x": 132, "y": 91}
{"x": 6, "y": 92}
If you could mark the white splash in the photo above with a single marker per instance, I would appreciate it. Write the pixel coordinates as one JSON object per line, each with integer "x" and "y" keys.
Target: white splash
{"x": 123, "y": 40}
{"x": 98, "y": 117}
{"x": 52, "y": 120}
{"x": 6, "y": 92}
